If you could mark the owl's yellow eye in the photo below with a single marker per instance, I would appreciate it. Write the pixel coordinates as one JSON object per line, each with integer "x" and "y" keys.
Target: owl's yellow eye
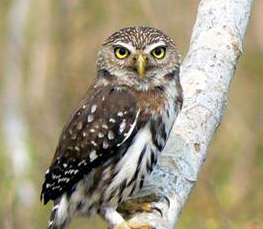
{"x": 121, "y": 52}
{"x": 158, "y": 52}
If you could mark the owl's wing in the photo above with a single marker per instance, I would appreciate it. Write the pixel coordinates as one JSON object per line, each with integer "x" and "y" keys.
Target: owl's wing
{"x": 103, "y": 126}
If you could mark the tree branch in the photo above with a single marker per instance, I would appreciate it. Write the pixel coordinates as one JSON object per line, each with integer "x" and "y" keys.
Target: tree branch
{"x": 206, "y": 73}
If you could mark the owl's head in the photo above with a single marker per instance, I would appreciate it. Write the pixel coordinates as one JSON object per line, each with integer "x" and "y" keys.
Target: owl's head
{"x": 138, "y": 56}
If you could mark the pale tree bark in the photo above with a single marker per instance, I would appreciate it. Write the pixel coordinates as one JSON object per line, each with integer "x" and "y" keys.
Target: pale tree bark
{"x": 206, "y": 73}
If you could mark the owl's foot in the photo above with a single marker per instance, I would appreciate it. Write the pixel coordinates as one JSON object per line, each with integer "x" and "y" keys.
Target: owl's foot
{"x": 142, "y": 204}
{"x": 133, "y": 225}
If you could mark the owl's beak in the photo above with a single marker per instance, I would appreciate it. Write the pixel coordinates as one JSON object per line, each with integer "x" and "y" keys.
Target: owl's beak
{"x": 140, "y": 65}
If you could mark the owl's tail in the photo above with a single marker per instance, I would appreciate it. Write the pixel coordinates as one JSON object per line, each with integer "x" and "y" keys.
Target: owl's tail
{"x": 59, "y": 218}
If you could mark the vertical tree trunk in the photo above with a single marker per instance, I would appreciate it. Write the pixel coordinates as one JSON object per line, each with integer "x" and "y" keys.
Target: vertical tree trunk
{"x": 206, "y": 73}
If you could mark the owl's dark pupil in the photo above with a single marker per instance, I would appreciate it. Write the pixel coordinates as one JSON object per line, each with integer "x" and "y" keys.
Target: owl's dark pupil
{"x": 158, "y": 51}
{"x": 122, "y": 51}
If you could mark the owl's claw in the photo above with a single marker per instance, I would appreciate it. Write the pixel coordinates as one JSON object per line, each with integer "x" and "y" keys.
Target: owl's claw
{"x": 143, "y": 204}
{"x": 149, "y": 207}
{"x": 133, "y": 225}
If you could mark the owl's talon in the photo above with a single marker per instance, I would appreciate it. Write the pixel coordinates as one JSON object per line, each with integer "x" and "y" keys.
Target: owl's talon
{"x": 130, "y": 208}
{"x": 150, "y": 207}
{"x": 157, "y": 209}
{"x": 166, "y": 199}
{"x": 147, "y": 204}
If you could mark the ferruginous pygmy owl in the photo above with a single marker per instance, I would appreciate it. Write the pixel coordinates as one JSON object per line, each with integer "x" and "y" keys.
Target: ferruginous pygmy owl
{"x": 114, "y": 137}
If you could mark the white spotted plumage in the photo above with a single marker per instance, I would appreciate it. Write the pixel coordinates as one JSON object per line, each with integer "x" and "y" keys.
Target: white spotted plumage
{"x": 93, "y": 155}
{"x": 130, "y": 130}
{"x": 122, "y": 126}
{"x": 93, "y": 108}
{"x": 110, "y": 135}
{"x": 105, "y": 144}
{"x": 90, "y": 118}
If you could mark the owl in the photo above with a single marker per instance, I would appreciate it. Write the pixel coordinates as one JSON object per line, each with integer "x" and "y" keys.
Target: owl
{"x": 113, "y": 139}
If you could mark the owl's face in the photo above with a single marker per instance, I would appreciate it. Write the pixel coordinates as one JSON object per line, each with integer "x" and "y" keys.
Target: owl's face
{"x": 138, "y": 56}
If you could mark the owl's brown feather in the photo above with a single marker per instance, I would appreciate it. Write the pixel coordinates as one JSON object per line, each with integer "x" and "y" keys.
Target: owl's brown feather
{"x": 94, "y": 133}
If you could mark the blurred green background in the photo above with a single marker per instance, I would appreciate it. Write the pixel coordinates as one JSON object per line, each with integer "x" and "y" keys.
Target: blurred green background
{"x": 47, "y": 60}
